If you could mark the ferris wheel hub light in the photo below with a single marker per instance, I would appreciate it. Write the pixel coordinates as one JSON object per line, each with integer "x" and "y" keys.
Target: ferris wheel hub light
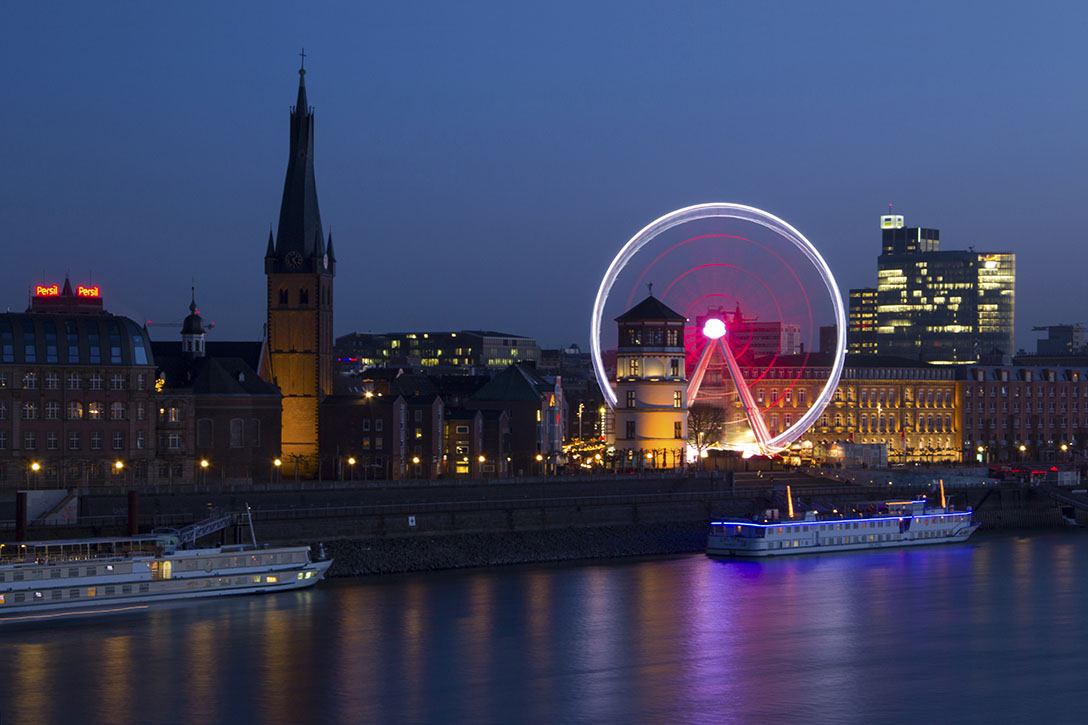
{"x": 714, "y": 328}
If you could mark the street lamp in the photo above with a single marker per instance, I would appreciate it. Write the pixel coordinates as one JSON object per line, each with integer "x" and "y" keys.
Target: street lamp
{"x": 351, "y": 469}
{"x": 540, "y": 468}
{"x": 276, "y": 463}
{"x": 204, "y": 470}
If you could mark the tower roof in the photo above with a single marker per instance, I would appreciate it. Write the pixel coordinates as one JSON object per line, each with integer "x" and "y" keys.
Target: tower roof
{"x": 651, "y": 309}
{"x": 299, "y": 228}
{"x": 193, "y": 323}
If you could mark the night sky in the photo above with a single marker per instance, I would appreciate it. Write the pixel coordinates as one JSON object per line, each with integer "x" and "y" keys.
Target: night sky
{"x": 479, "y": 164}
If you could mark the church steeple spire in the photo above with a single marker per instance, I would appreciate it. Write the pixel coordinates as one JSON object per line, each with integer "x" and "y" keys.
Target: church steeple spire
{"x": 295, "y": 247}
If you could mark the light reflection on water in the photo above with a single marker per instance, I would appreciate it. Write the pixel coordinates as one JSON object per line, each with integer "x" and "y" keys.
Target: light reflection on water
{"x": 995, "y": 628}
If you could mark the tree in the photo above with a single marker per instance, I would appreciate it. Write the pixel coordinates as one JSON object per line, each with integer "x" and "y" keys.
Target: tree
{"x": 706, "y": 423}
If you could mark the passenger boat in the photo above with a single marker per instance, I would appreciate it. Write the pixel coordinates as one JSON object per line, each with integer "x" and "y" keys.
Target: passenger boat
{"x": 895, "y": 523}
{"x": 75, "y": 576}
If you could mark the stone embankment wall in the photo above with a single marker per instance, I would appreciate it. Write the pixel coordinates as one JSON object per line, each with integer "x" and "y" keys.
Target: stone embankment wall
{"x": 452, "y": 551}
{"x": 438, "y": 525}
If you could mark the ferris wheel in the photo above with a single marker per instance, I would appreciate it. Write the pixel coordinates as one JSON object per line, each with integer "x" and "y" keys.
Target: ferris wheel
{"x": 765, "y": 330}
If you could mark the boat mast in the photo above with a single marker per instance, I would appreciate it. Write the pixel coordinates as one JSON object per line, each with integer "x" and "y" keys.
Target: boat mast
{"x": 249, "y": 516}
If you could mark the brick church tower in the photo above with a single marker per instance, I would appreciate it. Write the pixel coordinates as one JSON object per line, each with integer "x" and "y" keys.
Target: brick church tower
{"x": 299, "y": 266}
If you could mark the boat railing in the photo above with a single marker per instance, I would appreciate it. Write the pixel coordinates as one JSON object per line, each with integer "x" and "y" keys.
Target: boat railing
{"x": 42, "y": 558}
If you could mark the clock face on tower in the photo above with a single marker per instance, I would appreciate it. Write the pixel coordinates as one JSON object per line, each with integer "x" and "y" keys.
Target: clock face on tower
{"x": 294, "y": 260}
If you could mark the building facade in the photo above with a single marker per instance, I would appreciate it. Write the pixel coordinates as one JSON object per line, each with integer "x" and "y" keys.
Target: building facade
{"x": 906, "y": 405}
{"x": 1014, "y": 413}
{"x": 77, "y": 394}
{"x": 299, "y": 268}
{"x": 465, "y": 350}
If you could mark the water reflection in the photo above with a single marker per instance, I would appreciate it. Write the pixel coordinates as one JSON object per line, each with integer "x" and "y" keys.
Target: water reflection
{"x": 965, "y": 631}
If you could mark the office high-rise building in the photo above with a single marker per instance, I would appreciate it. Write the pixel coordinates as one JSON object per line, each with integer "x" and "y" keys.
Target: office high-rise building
{"x": 933, "y": 305}
{"x": 861, "y": 326}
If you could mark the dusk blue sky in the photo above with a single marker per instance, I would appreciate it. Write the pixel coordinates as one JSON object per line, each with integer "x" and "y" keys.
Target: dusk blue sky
{"x": 479, "y": 164}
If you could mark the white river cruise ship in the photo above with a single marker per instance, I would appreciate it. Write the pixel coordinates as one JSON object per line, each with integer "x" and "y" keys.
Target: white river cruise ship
{"x": 75, "y": 576}
{"x": 897, "y": 523}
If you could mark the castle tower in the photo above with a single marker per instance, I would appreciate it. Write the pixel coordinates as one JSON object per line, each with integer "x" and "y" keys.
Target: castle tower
{"x": 299, "y": 266}
{"x": 651, "y": 385}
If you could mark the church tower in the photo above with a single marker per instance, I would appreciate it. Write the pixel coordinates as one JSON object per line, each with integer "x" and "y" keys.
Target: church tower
{"x": 299, "y": 265}
{"x": 193, "y": 332}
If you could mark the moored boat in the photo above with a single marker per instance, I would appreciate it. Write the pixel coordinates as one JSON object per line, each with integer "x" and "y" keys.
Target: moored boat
{"x": 75, "y": 576}
{"x": 893, "y": 524}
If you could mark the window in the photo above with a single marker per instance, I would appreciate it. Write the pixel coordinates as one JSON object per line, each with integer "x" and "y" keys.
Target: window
{"x": 303, "y": 297}
{"x": 378, "y": 443}
{"x": 236, "y": 432}
{"x": 52, "y": 381}
{"x": 630, "y": 429}
{"x": 673, "y": 337}
{"x": 173, "y": 441}
{"x": 73, "y": 381}
{"x": 30, "y": 411}
{"x": 677, "y": 399}
{"x": 30, "y": 381}
{"x": 117, "y": 381}
{"x": 117, "y": 411}
{"x": 3, "y": 410}
{"x": 462, "y": 429}
{"x": 94, "y": 410}
{"x": 30, "y": 441}
{"x": 417, "y": 415}
{"x": 96, "y": 381}
{"x": 630, "y": 398}
{"x": 141, "y": 381}
{"x": 75, "y": 410}
{"x": 141, "y": 414}
{"x": 52, "y": 410}
{"x": 118, "y": 441}
{"x": 3, "y": 446}
{"x": 115, "y": 343}
{"x": 379, "y": 425}
{"x": 677, "y": 429}
{"x": 674, "y": 367}
{"x": 96, "y": 441}
{"x": 204, "y": 433}
{"x": 366, "y": 425}
{"x": 73, "y": 441}
{"x": 140, "y": 441}
{"x": 283, "y": 297}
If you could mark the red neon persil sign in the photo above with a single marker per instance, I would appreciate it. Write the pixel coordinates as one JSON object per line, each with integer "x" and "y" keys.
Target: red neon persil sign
{"x": 82, "y": 291}
{"x": 44, "y": 291}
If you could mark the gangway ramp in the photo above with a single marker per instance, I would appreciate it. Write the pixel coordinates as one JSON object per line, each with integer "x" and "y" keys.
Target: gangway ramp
{"x": 192, "y": 532}
{"x": 1069, "y": 498}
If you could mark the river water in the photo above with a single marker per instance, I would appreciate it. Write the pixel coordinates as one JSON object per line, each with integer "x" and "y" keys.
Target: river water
{"x": 994, "y": 629}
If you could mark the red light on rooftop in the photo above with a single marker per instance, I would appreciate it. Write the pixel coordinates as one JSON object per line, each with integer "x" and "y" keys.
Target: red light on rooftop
{"x": 46, "y": 291}
{"x": 82, "y": 291}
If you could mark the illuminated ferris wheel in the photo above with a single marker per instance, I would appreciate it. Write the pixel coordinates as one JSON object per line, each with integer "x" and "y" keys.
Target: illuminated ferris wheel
{"x": 765, "y": 331}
